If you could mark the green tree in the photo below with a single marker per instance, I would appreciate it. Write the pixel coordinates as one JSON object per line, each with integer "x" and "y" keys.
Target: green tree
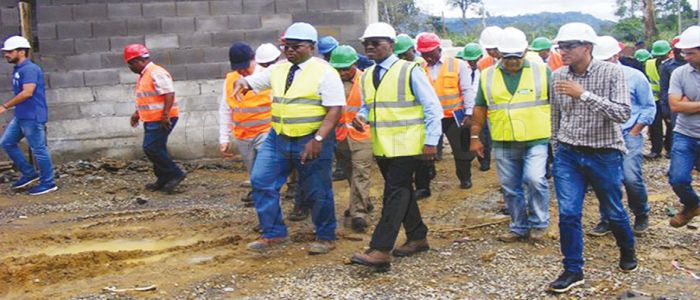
{"x": 628, "y": 29}
{"x": 402, "y": 14}
{"x": 464, "y": 6}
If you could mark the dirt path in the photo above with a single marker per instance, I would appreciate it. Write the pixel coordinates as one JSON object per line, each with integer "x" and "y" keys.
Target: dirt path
{"x": 101, "y": 229}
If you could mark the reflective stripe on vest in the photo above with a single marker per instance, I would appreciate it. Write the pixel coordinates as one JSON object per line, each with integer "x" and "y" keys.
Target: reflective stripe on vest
{"x": 396, "y": 118}
{"x": 447, "y": 87}
{"x": 352, "y": 107}
{"x": 654, "y": 78}
{"x": 149, "y": 104}
{"x": 299, "y": 110}
{"x": 523, "y": 116}
{"x": 251, "y": 116}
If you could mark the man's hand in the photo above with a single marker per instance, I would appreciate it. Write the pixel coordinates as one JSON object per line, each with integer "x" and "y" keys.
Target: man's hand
{"x": 569, "y": 87}
{"x": 359, "y": 123}
{"x": 134, "y": 119}
{"x": 429, "y": 152}
{"x": 224, "y": 150}
{"x": 240, "y": 87}
{"x": 2, "y": 109}
{"x": 476, "y": 147}
{"x": 467, "y": 122}
{"x": 165, "y": 123}
{"x": 312, "y": 150}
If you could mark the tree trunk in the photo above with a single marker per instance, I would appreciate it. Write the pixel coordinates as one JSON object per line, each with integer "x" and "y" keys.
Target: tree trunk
{"x": 464, "y": 21}
{"x": 649, "y": 21}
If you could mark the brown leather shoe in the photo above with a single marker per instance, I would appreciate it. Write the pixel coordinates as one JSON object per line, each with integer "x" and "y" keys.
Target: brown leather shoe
{"x": 684, "y": 217}
{"x": 373, "y": 258}
{"x": 265, "y": 244}
{"x": 411, "y": 247}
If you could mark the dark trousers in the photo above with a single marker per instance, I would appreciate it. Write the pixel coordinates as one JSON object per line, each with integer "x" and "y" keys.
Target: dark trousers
{"x": 660, "y": 140}
{"x": 155, "y": 141}
{"x": 399, "y": 203}
{"x": 459, "y": 142}
{"x": 485, "y": 138}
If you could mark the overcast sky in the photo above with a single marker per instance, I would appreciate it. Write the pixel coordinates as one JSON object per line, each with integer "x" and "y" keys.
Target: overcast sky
{"x": 603, "y": 9}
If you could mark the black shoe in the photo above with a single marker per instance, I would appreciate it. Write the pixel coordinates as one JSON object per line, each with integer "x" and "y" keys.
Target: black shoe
{"x": 628, "y": 260}
{"x": 170, "y": 186}
{"x": 652, "y": 155}
{"x": 465, "y": 185}
{"x": 566, "y": 281}
{"x": 504, "y": 211}
{"x": 485, "y": 167}
{"x": 601, "y": 229}
{"x": 339, "y": 175}
{"x": 359, "y": 225}
{"x": 154, "y": 186}
{"x": 641, "y": 224}
{"x": 298, "y": 214}
{"x": 422, "y": 194}
{"x": 248, "y": 197}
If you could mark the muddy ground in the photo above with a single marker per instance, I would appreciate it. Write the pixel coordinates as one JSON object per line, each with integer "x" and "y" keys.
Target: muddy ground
{"x": 103, "y": 229}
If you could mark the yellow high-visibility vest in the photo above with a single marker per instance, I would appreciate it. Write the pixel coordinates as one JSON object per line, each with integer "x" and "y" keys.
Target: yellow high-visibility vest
{"x": 654, "y": 77}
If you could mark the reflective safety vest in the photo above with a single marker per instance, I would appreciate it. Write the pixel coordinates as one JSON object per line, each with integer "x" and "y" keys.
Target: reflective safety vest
{"x": 148, "y": 103}
{"x": 485, "y": 62}
{"x": 396, "y": 118}
{"x": 447, "y": 86}
{"x": 352, "y": 107}
{"x": 251, "y": 116}
{"x": 298, "y": 111}
{"x": 654, "y": 77}
{"x": 554, "y": 61}
{"x": 524, "y": 116}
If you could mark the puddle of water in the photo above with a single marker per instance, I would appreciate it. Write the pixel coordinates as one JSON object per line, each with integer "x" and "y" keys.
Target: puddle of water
{"x": 118, "y": 245}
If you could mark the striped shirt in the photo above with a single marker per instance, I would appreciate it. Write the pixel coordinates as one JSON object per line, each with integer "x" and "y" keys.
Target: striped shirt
{"x": 594, "y": 119}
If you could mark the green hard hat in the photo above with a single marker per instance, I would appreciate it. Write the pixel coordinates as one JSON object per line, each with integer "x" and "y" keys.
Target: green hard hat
{"x": 343, "y": 57}
{"x": 403, "y": 43}
{"x": 642, "y": 55}
{"x": 472, "y": 51}
{"x": 660, "y": 48}
{"x": 541, "y": 43}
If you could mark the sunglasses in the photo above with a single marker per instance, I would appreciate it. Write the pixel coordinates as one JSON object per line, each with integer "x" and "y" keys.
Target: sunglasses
{"x": 566, "y": 46}
{"x": 374, "y": 43}
{"x": 513, "y": 56}
{"x": 294, "y": 47}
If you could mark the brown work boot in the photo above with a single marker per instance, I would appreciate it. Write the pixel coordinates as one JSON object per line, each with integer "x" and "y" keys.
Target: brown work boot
{"x": 265, "y": 244}
{"x": 321, "y": 247}
{"x": 685, "y": 216}
{"x": 538, "y": 234}
{"x": 411, "y": 247}
{"x": 509, "y": 237}
{"x": 373, "y": 258}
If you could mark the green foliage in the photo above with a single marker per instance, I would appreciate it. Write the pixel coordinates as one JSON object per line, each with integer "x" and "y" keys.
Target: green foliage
{"x": 629, "y": 29}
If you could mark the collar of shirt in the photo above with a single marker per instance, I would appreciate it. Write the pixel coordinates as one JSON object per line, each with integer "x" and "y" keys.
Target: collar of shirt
{"x": 24, "y": 63}
{"x": 150, "y": 63}
{"x": 306, "y": 62}
{"x": 594, "y": 63}
{"x": 526, "y": 64}
{"x": 388, "y": 62}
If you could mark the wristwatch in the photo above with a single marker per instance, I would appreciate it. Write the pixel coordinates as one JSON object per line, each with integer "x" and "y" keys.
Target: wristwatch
{"x": 585, "y": 95}
{"x": 318, "y": 138}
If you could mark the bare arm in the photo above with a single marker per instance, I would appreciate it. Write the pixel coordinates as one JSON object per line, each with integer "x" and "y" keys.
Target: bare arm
{"x": 26, "y": 93}
{"x": 681, "y": 104}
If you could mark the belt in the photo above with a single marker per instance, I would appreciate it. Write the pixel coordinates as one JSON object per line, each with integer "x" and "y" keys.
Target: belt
{"x": 590, "y": 150}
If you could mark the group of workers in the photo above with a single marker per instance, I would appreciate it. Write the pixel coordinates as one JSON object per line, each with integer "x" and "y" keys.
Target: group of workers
{"x": 569, "y": 103}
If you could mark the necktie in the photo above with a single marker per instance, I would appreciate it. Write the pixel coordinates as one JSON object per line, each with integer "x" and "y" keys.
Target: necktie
{"x": 473, "y": 72}
{"x": 290, "y": 77}
{"x": 375, "y": 76}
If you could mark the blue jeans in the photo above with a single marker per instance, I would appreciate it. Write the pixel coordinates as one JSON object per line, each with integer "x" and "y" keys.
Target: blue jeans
{"x": 524, "y": 165}
{"x": 35, "y": 132}
{"x": 573, "y": 171}
{"x": 684, "y": 155}
{"x": 273, "y": 163}
{"x": 632, "y": 176}
{"x": 155, "y": 141}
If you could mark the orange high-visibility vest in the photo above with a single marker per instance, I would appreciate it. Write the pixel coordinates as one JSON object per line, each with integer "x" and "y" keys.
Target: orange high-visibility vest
{"x": 352, "y": 107}
{"x": 485, "y": 62}
{"x": 554, "y": 61}
{"x": 446, "y": 86}
{"x": 251, "y": 116}
{"x": 148, "y": 103}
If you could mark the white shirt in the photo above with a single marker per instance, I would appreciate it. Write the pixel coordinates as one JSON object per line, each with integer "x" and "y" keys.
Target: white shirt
{"x": 225, "y": 120}
{"x": 162, "y": 80}
{"x": 467, "y": 89}
{"x": 330, "y": 89}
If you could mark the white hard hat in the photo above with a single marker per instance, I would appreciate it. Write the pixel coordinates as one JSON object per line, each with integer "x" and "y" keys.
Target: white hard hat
{"x": 605, "y": 48}
{"x": 690, "y": 38}
{"x": 16, "y": 42}
{"x": 489, "y": 37}
{"x": 266, "y": 53}
{"x": 380, "y": 29}
{"x": 576, "y": 32}
{"x": 512, "y": 40}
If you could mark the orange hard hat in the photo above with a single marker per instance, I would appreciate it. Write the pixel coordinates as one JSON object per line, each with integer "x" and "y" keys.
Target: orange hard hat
{"x": 133, "y": 51}
{"x": 427, "y": 42}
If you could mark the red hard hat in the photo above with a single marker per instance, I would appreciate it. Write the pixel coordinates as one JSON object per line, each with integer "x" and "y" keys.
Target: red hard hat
{"x": 675, "y": 41}
{"x": 427, "y": 42}
{"x": 133, "y": 51}
{"x": 621, "y": 45}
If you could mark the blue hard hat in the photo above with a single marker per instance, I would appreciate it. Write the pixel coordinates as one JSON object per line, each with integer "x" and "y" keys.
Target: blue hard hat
{"x": 301, "y": 31}
{"x": 326, "y": 44}
{"x": 240, "y": 54}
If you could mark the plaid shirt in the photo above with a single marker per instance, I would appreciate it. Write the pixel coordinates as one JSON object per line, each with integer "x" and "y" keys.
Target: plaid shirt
{"x": 594, "y": 119}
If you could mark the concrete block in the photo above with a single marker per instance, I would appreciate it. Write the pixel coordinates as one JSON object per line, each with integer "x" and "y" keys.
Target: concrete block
{"x": 219, "y": 54}
{"x": 178, "y": 72}
{"x": 352, "y": 33}
{"x": 92, "y": 45}
{"x": 57, "y": 47}
{"x": 195, "y": 40}
{"x": 86, "y": 12}
{"x": 211, "y": 24}
{"x": 46, "y": 31}
{"x": 101, "y": 77}
{"x": 89, "y": 61}
{"x": 322, "y": 5}
{"x": 9, "y": 15}
{"x": 330, "y": 18}
{"x": 123, "y": 109}
{"x": 112, "y": 60}
{"x": 8, "y": 3}
{"x": 143, "y": 26}
{"x": 123, "y": 10}
{"x": 109, "y": 28}
{"x": 232, "y": 7}
{"x": 66, "y": 111}
{"x": 127, "y": 77}
{"x": 64, "y": 2}
{"x": 225, "y": 39}
{"x": 73, "y": 129}
{"x": 204, "y": 71}
{"x": 277, "y": 22}
{"x": 290, "y": 6}
{"x": 178, "y": 25}
{"x": 6, "y": 31}
{"x": 74, "y": 30}
{"x": 259, "y": 36}
{"x": 117, "y": 43}
{"x": 256, "y": 7}
{"x": 192, "y": 9}
{"x": 187, "y": 88}
{"x": 160, "y": 41}
{"x": 66, "y": 79}
{"x": 244, "y": 22}
{"x": 97, "y": 109}
{"x": 51, "y": 62}
{"x": 211, "y": 87}
{"x": 115, "y": 93}
{"x": 352, "y": 5}
{"x": 186, "y": 56}
{"x": 52, "y": 14}
{"x": 199, "y": 103}
{"x": 69, "y": 95}
{"x": 165, "y": 9}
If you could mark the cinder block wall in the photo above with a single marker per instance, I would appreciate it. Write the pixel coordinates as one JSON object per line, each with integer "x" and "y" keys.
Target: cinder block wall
{"x": 90, "y": 90}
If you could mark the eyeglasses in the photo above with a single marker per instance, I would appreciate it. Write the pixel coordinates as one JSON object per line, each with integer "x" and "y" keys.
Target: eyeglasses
{"x": 374, "y": 43}
{"x": 513, "y": 56}
{"x": 567, "y": 46}
{"x": 294, "y": 47}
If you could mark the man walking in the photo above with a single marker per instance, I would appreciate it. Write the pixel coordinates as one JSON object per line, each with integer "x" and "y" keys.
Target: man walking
{"x": 667, "y": 69}
{"x": 590, "y": 99}
{"x": 660, "y": 51}
{"x": 471, "y": 53}
{"x": 31, "y": 115}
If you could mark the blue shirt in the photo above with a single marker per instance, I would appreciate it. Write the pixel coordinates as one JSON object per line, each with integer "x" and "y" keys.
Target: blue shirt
{"x": 641, "y": 99}
{"x": 34, "y": 108}
{"x": 425, "y": 95}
